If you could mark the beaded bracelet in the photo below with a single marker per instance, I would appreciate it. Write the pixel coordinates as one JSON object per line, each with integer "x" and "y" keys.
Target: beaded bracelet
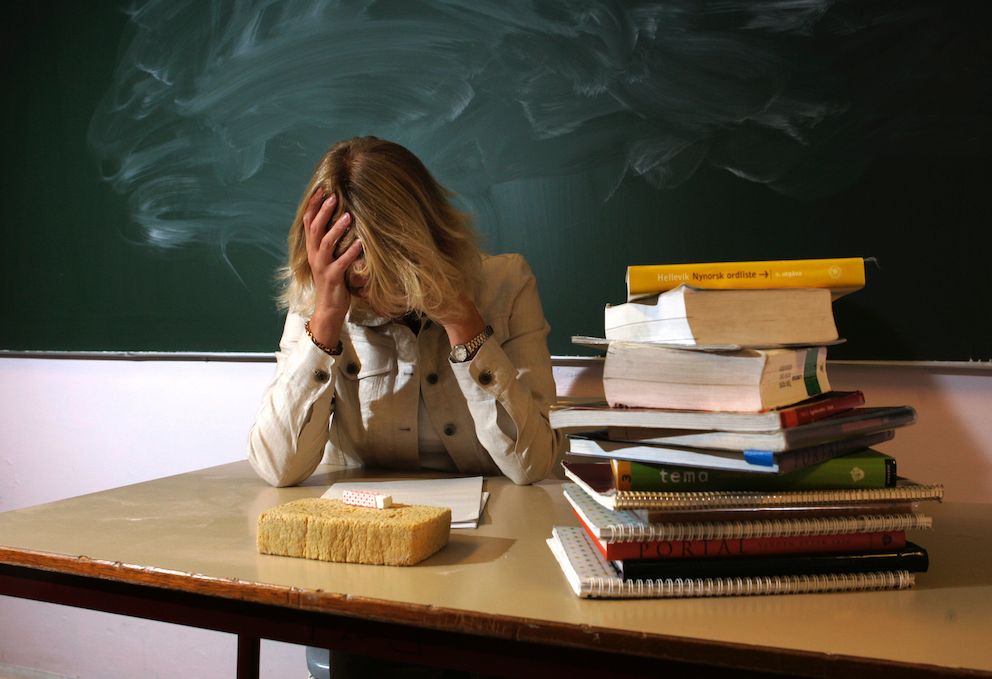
{"x": 336, "y": 351}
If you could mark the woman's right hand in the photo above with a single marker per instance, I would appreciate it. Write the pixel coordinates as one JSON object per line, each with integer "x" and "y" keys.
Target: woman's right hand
{"x": 331, "y": 296}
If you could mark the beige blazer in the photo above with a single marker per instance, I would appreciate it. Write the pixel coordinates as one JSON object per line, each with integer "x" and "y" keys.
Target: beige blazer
{"x": 491, "y": 413}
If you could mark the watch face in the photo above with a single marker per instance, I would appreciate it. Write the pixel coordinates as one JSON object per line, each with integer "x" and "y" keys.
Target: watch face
{"x": 460, "y": 352}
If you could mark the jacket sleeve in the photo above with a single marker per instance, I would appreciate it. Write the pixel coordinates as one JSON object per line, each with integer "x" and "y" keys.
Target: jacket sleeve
{"x": 510, "y": 388}
{"x": 287, "y": 441}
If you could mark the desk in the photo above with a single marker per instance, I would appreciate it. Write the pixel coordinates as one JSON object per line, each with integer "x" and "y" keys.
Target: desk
{"x": 182, "y": 549}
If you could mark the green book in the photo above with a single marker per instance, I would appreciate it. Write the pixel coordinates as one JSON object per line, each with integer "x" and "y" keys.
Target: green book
{"x": 866, "y": 468}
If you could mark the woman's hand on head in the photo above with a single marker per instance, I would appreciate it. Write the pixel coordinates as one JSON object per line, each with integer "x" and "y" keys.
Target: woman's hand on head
{"x": 331, "y": 296}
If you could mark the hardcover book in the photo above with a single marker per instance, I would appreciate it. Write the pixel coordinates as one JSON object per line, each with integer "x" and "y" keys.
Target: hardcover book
{"x": 754, "y": 318}
{"x": 593, "y": 417}
{"x": 591, "y": 576}
{"x": 641, "y": 374}
{"x": 748, "y": 461}
{"x": 596, "y": 479}
{"x": 866, "y": 468}
{"x": 858, "y": 422}
{"x": 839, "y": 275}
{"x": 910, "y": 557}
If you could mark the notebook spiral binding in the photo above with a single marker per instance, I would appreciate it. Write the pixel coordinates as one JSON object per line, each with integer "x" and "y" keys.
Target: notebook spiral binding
{"x": 750, "y": 586}
{"x": 632, "y": 499}
{"x": 869, "y": 523}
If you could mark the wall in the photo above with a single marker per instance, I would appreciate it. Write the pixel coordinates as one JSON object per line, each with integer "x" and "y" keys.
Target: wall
{"x": 951, "y": 443}
{"x": 69, "y": 427}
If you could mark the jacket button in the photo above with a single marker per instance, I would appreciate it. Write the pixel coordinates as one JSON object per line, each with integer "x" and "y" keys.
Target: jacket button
{"x": 432, "y": 378}
{"x": 321, "y": 375}
{"x": 485, "y": 378}
{"x": 352, "y": 368}
{"x": 449, "y": 430}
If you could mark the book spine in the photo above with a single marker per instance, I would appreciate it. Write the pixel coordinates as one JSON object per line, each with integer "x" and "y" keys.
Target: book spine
{"x": 744, "y": 547}
{"x": 817, "y": 410}
{"x": 846, "y": 471}
{"x": 839, "y": 274}
{"x": 793, "y": 376}
{"x": 910, "y": 558}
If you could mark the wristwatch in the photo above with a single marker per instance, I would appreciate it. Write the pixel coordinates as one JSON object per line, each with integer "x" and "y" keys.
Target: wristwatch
{"x": 462, "y": 352}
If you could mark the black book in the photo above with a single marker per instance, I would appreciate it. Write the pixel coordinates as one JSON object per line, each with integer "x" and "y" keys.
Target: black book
{"x": 856, "y": 422}
{"x": 912, "y": 558}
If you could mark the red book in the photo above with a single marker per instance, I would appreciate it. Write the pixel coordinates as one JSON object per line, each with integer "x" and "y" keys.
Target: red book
{"x": 593, "y": 417}
{"x": 802, "y": 544}
{"x": 818, "y": 408}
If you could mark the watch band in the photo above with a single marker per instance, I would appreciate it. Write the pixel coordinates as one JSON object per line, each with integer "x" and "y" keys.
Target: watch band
{"x": 335, "y": 351}
{"x": 463, "y": 352}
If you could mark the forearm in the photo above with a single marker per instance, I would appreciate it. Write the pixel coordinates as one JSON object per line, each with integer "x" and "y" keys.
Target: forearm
{"x": 466, "y": 325}
{"x": 287, "y": 440}
{"x": 510, "y": 407}
{"x": 325, "y": 327}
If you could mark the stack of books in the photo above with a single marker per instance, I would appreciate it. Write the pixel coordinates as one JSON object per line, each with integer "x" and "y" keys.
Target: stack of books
{"x": 722, "y": 462}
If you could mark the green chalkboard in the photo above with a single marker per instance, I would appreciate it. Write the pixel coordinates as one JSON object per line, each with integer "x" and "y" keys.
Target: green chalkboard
{"x": 154, "y": 152}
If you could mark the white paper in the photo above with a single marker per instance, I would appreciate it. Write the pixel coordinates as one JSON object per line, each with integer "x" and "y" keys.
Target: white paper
{"x": 475, "y": 523}
{"x": 463, "y": 496}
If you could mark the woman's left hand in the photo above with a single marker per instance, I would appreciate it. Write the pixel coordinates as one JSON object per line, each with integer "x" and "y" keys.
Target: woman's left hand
{"x": 463, "y": 321}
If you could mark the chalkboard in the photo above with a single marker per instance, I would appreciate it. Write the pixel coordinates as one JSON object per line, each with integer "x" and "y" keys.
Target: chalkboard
{"x": 154, "y": 153}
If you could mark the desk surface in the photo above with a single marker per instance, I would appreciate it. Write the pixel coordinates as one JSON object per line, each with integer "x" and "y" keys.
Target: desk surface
{"x": 196, "y": 532}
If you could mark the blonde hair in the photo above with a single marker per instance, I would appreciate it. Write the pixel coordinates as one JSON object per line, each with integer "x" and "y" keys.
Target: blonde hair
{"x": 419, "y": 252}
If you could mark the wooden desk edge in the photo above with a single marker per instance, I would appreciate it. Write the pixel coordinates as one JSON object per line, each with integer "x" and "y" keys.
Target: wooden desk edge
{"x": 660, "y": 647}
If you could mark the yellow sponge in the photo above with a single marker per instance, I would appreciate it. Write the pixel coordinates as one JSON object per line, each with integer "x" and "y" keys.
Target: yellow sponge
{"x": 330, "y": 530}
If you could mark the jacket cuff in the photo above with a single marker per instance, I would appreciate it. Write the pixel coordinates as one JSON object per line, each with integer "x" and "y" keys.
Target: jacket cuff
{"x": 311, "y": 370}
{"x": 488, "y": 375}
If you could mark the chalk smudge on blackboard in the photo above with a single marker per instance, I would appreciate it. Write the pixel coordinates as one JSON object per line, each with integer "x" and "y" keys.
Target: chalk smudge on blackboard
{"x": 217, "y": 111}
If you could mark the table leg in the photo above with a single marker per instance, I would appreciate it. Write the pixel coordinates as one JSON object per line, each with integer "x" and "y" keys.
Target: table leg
{"x": 248, "y": 650}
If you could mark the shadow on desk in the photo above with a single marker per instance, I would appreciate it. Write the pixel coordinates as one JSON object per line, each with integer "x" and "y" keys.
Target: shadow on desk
{"x": 470, "y": 549}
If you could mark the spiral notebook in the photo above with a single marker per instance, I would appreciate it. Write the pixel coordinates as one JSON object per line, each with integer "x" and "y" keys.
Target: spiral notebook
{"x": 626, "y": 526}
{"x": 597, "y": 481}
{"x": 592, "y": 576}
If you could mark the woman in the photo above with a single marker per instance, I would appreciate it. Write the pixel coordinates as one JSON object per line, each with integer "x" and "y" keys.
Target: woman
{"x": 404, "y": 346}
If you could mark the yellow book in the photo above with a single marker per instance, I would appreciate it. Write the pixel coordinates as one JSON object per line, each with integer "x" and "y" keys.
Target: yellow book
{"x": 840, "y": 275}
